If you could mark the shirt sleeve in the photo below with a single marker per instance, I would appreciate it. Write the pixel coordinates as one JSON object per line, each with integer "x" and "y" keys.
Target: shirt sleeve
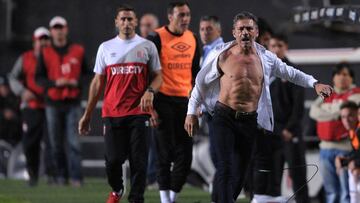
{"x": 204, "y": 78}
{"x": 282, "y": 70}
{"x": 15, "y": 77}
{"x": 194, "y": 101}
{"x": 100, "y": 64}
{"x": 154, "y": 61}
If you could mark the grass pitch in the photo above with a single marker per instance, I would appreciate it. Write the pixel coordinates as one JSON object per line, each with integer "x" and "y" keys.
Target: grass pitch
{"x": 95, "y": 190}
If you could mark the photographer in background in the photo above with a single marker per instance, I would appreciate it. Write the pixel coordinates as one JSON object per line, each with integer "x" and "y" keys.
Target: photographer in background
{"x": 350, "y": 114}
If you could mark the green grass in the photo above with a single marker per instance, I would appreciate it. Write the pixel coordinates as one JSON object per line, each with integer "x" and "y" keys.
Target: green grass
{"x": 93, "y": 191}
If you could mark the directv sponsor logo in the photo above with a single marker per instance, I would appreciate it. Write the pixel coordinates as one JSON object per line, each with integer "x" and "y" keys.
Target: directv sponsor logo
{"x": 130, "y": 69}
{"x": 179, "y": 65}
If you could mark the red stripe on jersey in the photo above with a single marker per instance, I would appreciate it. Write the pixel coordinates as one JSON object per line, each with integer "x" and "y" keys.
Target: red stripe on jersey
{"x": 125, "y": 85}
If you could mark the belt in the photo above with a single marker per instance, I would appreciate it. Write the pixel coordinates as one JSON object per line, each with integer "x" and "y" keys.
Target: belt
{"x": 233, "y": 113}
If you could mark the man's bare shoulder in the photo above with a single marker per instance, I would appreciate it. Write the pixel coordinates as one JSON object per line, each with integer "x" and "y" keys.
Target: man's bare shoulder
{"x": 222, "y": 59}
{"x": 224, "y": 55}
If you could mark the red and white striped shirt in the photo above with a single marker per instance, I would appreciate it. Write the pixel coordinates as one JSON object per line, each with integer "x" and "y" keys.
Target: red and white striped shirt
{"x": 126, "y": 64}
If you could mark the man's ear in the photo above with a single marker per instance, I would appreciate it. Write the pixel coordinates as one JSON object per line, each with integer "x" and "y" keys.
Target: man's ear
{"x": 115, "y": 22}
{"x": 170, "y": 17}
{"x": 257, "y": 33}
{"x": 136, "y": 21}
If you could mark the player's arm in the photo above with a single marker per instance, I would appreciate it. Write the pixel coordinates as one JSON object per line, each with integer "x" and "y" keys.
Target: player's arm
{"x": 96, "y": 87}
{"x": 146, "y": 102}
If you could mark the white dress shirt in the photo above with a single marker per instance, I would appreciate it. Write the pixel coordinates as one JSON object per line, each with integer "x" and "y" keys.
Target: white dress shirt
{"x": 207, "y": 83}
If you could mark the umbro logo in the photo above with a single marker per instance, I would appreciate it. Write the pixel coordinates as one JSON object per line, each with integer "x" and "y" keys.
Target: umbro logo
{"x": 181, "y": 46}
{"x": 113, "y": 54}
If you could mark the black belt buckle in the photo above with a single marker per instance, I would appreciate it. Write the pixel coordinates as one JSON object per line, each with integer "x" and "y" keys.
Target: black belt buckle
{"x": 239, "y": 114}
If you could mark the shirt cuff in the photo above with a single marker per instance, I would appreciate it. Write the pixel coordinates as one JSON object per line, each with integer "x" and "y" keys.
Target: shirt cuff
{"x": 311, "y": 82}
{"x": 191, "y": 108}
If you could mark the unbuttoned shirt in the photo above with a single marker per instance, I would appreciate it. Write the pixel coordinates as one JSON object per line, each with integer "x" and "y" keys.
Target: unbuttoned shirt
{"x": 207, "y": 83}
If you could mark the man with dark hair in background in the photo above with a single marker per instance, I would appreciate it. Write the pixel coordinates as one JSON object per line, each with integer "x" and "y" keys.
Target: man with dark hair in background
{"x": 22, "y": 83}
{"x": 179, "y": 56}
{"x": 210, "y": 34}
{"x": 129, "y": 68}
{"x": 288, "y": 106}
{"x": 265, "y": 33}
{"x": 148, "y": 23}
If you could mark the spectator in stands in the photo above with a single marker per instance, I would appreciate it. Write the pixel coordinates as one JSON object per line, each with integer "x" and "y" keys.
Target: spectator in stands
{"x": 10, "y": 121}
{"x": 59, "y": 70}
{"x": 22, "y": 83}
{"x": 332, "y": 134}
{"x": 349, "y": 117}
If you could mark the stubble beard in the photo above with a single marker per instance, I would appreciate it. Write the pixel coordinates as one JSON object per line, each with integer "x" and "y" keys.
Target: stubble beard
{"x": 246, "y": 49}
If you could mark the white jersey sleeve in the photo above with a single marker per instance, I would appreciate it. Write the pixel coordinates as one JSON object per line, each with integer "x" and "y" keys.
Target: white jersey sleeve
{"x": 154, "y": 61}
{"x": 100, "y": 64}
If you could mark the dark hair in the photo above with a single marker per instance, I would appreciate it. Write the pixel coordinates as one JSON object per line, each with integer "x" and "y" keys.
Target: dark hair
{"x": 245, "y": 15}
{"x": 264, "y": 27}
{"x": 281, "y": 37}
{"x": 174, "y": 4}
{"x": 209, "y": 18}
{"x": 349, "y": 105}
{"x": 340, "y": 67}
{"x": 124, "y": 7}
{"x": 212, "y": 18}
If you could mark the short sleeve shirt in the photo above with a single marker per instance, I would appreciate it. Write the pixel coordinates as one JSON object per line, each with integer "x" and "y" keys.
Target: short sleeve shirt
{"x": 126, "y": 65}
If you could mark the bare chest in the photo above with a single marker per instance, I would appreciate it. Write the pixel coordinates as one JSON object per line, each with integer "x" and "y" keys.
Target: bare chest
{"x": 237, "y": 68}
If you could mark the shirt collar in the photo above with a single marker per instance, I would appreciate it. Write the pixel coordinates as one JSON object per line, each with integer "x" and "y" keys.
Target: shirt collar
{"x": 215, "y": 42}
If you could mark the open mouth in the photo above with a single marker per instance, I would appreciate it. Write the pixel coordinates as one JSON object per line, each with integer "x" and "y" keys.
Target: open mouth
{"x": 245, "y": 39}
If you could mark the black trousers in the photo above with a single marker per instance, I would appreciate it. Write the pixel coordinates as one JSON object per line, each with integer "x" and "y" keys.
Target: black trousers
{"x": 293, "y": 152}
{"x": 34, "y": 131}
{"x": 127, "y": 138}
{"x": 208, "y": 118}
{"x": 234, "y": 139}
{"x": 172, "y": 143}
{"x": 261, "y": 168}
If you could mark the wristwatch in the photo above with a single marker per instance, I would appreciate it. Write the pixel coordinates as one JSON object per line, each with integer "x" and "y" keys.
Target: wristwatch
{"x": 315, "y": 83}
{"x": 150, "y": 89}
